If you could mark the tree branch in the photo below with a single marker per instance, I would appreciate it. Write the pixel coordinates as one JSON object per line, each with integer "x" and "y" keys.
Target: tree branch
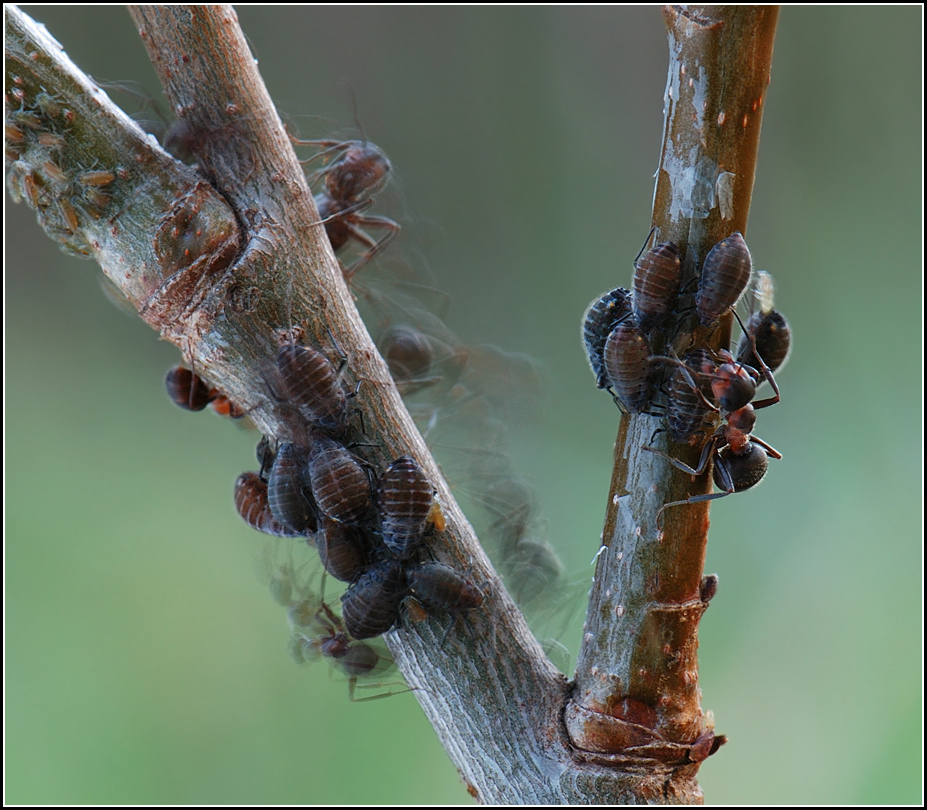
{"x": 221, "y": 268}
{"x": 637, "y": 695}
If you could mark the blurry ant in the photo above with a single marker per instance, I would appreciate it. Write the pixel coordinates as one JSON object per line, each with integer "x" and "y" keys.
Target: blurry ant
{"x": 354, "y": 172}
{"x": 356, "y": 659}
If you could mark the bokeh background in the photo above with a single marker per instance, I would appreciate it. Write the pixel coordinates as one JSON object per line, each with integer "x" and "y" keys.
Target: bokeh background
{"x": 146, "y": 664}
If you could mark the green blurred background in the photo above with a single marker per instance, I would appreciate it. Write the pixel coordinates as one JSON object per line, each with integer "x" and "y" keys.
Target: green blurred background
{"x": 146, "y": 664}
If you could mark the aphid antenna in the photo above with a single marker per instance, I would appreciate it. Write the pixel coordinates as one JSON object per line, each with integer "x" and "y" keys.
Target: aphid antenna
{"x": 653, "y": 230}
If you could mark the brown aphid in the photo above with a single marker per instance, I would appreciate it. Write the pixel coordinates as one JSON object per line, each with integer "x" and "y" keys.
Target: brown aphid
{"x": 289, "y": 503}
{"x": 339, "y": 482}
{"x": 96, "y": 178}
{"x": 773, "y": 339}
{"x": 358, "y": 171}
{"x": 689, "y": 413}
{"x": 53, "y": 171}
{"x": 50, "y": 140}
{"x": 344, "y": 550}
{"x": 370, "y": 607}
{"x": 440, "y": 587}
{"x": 188, "y": 390}
{"x": 725, "y": 275}
{"x": 251, "y": 503}
{"x": 627, "y": 367}
{"x": 13, "y": 133}
{"x": 28, "y": 119}
{"x": 313, "y": 385}
{"x": 656, "y": 283}
{"x": 405, "y": 499}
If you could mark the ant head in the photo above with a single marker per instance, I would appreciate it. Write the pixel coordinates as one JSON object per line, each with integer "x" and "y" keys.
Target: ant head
{"x": 733, "y": 386}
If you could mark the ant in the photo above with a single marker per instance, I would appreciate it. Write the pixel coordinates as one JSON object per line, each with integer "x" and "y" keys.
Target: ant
{"x": 740, "y": 459}
{"x": 359, "y": 170}
{"x": 356, "y": 659}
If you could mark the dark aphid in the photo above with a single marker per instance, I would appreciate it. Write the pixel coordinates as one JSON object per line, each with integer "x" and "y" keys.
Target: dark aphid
{"x": 289, "y": 503}
{"x": 656, "y": 283}
{"x": 725, "y": 274}
{"x": 251, "y": 503}
{"x": 603, "y": 315}
{"x": 339, "y": 482}
{"x": 773, "y": 339}
{"x": 313, "y": 385}
{"x": 188, "y": 390}
{"x": 344, "y": 550}
{"x": 627, "y": 367}
{"x": 407, "y": 352}
{"x": 405, "y": 498}
{"x": 370, "y": 606}
{"x": 440, "y": 587}
{"x": 358, "y": 171}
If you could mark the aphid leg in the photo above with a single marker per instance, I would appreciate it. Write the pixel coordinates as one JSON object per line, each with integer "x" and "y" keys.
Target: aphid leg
{"x": 653, "y": 230}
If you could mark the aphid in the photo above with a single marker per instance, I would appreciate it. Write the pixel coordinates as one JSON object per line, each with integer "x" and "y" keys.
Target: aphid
{"x": 725, "y": 274}
{"x": 344, "y": 550}
{"x": 251, "y": 503}
{"x": 96, "y": 178}
{"x": 768, "y": 329}
{"x": 50, "y": 140}
{"x": 440, "y": 587}
{"x": 602, "y": 316}
{"x": 627, "y": 367}
{"x": 370, "y": 607}
{"x": 340, "y": 484}
{"x": 54, "y": 172}
{"x": 13, "y": 133}
{"x": 188, "y": 390}
{"x": 359, "y": 171}
{"x": 656, "y": 283}
{"x": 288, "y": 501}
{"x": 405, "y": 498}
{"x": 313, "y": 385}
{"x": 48, "y": 105}
{"x": 28, "y": 119}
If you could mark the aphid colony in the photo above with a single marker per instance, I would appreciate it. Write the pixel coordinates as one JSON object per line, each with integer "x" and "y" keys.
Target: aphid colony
{"x": 41, "y": 172}
{"x": 642, "y": 354}
{"x": 371, "y": 527}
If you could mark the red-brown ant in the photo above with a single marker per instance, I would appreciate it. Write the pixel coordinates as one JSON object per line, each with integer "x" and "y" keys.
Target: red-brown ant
{"x": 359, "y": 169}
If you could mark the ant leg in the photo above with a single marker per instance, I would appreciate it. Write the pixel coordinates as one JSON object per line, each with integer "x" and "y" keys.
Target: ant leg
{"x": 679, "y": 465}
{"x": 374, "y": 246}
{"x": 770, "y": 451}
